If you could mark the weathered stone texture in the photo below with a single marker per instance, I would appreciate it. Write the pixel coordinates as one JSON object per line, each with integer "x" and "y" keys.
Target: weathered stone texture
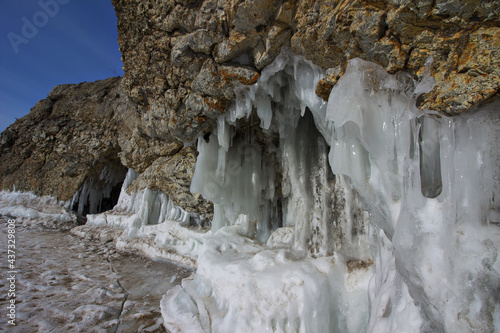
{"x": 66, "y": 139}
{"x": 181, "y": 46}
{"x": 70, "y": 137}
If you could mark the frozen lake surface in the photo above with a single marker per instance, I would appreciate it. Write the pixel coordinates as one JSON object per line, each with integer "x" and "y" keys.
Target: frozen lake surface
{"x": 70, "y": 284}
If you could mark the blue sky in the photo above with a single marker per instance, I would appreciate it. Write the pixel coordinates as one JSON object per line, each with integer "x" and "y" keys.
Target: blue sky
{"x": 44, "y": 43}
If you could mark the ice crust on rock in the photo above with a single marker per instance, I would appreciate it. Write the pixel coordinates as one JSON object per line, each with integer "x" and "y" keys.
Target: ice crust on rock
{"x": 139, "y": 209}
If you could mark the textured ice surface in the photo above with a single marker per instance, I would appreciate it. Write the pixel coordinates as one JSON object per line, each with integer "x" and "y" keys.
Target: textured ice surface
{"x": 285, "y": 184}
{"x": 429, "y": 184}
{"x": 46, "y": 210}
{"x": 240, "y": 286}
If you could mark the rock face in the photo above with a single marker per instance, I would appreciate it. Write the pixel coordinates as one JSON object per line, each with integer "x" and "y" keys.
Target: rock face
{"x": 65, "y": 140}
{"x": 181, "y": 58}
{"x": 86, "y": 135}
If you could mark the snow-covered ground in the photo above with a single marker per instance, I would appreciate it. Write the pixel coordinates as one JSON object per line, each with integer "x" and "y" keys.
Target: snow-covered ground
{"x": 66, "y": 283}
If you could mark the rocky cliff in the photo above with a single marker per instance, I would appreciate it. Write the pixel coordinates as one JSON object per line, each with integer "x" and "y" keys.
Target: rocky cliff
{"x": 66, "y": 139}
{"x": 181, "y": 58}
{"x": 81, "y": 139}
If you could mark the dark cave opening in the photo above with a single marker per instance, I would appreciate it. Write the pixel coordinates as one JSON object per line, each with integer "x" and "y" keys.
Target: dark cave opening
{"x": 100, "y": 193}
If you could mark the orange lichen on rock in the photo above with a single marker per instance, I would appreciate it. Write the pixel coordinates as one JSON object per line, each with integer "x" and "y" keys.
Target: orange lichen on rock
{"x": 323, "y": 89}
{"x": 235, "y": 76}
{"x": 216, "y": 104}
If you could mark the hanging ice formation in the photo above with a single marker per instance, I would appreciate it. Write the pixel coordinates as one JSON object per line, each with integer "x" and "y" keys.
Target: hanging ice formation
{"x": 268, "y": 163}
{"x": 100, "y": 193}
{"x": 429, "y": 183}
{"x": 138, "y": 209}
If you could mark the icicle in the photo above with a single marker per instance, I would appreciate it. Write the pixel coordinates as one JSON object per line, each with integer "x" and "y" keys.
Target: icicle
{"x": 431, "y": 186}
{"x": 264, "y": 111}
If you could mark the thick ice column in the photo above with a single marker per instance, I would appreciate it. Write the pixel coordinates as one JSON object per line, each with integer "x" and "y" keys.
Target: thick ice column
{"x": 125, "y": 201}
{"x": 308, "y": 188}
{"x": 237, "y": 180}
{"x": 430, "y": 159}
{"x": 205, "y": 180}
{"x": 443, "y": 242}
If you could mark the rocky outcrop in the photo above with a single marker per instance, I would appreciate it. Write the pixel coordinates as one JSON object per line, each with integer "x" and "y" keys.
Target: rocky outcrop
{"x": 182, "y": 58}
{"x": 66, "y": 139}
{"x": 86, "y": 134}
{"x": 401, "y": 35}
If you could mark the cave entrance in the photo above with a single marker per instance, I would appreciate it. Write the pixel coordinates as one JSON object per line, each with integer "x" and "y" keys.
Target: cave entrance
{"x": 100, "y": 192}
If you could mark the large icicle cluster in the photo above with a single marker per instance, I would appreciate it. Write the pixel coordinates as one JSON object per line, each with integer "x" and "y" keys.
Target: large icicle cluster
{"x": 152, "y": 225}
{"x": 283, "y": 180}
{"x": 429, "y": 184}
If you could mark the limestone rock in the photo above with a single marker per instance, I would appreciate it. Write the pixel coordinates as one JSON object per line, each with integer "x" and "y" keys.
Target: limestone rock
{"x": 235, "y": 45}
{"x": 326, "y": 84}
